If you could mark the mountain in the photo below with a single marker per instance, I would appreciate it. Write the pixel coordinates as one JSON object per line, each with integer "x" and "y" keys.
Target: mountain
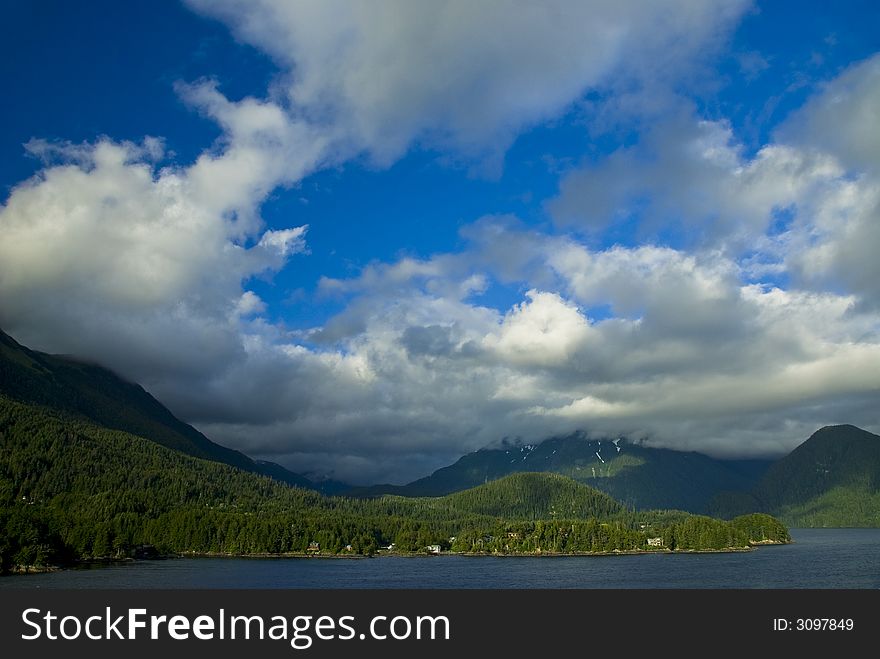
{"x": 70, "y": 489}
{"x": 567, "y": 516}
{"x": 639, "y": 476}
{"x": 535, "y": 496}
{"x": 95, "y": 393}
{"x": 831, "y": 479}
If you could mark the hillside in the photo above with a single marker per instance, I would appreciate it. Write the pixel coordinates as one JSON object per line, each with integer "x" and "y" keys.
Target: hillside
{"x": 535, "y": 496}
{"x": 832, "y": 479}
{"x": 99, "y": 395}
{"x": 70, "y": 489}
{"x": 638, "y": 476}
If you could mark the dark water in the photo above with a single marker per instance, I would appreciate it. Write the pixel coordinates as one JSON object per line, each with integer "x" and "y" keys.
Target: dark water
{"x": 819, "y": 558}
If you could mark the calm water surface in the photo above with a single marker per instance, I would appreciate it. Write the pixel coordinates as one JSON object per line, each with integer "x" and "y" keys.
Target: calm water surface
{"x": 819, "y": 558}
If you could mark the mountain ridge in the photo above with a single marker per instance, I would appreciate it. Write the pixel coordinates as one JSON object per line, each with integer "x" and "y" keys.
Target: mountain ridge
{"x": 91, "y": 391}
{"x": 71, "y": 490}
{"x": 830, "y": 479}
{"x": 639, "y": 476}
{"x": 795, "y": 487}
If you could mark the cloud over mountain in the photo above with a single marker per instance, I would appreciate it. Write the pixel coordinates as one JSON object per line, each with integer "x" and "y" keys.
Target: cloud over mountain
{"x": 738, "y": 312}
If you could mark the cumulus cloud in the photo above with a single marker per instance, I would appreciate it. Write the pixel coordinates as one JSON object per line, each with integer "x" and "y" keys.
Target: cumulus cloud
{"x": 689, "y": 356}
{"x": 689, "y": 352}
{"x": 261, "y": 147}
{"x": 692, "y": 173}
{"x": 543, "y": 331}
{"x": 836, "y": 242}
{"x": 108, "y": 257}
{"x": 806, "y": 204}
{"x": 843, "y": 118}
{"x": 462, "y": 74}
{"x": 111, "y": 255}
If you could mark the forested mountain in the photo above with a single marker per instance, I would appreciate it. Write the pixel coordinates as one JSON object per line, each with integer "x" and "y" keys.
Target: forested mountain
{"x": 638, "y": 476}
{"x": 99, "y": 395}
{"x": 535, "y": 496}
{"x": 832, "y": 479}
{"x": 93, "y": 466}
{"x": 70, "y": 489}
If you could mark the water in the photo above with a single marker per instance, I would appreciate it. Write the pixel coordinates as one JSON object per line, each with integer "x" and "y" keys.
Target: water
{"x": 819, "y": 558}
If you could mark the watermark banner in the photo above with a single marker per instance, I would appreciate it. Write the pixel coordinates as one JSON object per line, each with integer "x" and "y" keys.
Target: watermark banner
{"x": 425, "y": 623}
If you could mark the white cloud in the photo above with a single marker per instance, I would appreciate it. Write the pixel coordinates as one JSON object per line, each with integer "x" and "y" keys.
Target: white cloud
{"x": 836, "y": 243}
{"x": 107, "y": 255}
{"x": 249, "y": 303}
{"x": 806, "y": 205}
{"x": 261, "y": 148}
{"x": 286, "y": 241}
{"x": 691, "y": 347}
{"x": 835, "y": 248}
{"x": 108, "y": 258}
{"x": 690, "y": 357}
{"x": 462, "y": 74}
{"x": 692, "y": 174}
{"x": 543, "y": 331}
{"x": 843, "y": 118}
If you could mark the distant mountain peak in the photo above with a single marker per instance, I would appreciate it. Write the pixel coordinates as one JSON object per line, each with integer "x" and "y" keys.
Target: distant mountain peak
{"x": 632, "y": 473}
{"x": 831, "y": 479}
{"x": 841, "y": 429}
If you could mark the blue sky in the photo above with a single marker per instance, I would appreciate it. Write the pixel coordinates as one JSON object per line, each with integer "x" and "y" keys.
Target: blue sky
{"x": 361, "y": 240}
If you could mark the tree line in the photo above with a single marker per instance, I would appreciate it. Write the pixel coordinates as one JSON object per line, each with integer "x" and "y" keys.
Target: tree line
{"x": 70, "y": 490}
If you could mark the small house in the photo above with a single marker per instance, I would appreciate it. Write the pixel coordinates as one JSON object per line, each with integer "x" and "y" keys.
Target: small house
{"x": 314, "y": 547}
{"x": 433, "y": 549}
{"x": 655, "y": 542}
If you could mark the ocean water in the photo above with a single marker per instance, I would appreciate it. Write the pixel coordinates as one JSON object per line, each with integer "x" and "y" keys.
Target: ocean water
{"x": 818, "y": 558}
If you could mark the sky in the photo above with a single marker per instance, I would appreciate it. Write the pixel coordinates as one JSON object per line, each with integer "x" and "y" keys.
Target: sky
{"x": 361, "y": 239}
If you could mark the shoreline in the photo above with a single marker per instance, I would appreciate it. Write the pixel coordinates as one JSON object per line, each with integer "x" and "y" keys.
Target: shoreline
{"x": 103, "y": 562}
{"x": 475, "y": 554}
